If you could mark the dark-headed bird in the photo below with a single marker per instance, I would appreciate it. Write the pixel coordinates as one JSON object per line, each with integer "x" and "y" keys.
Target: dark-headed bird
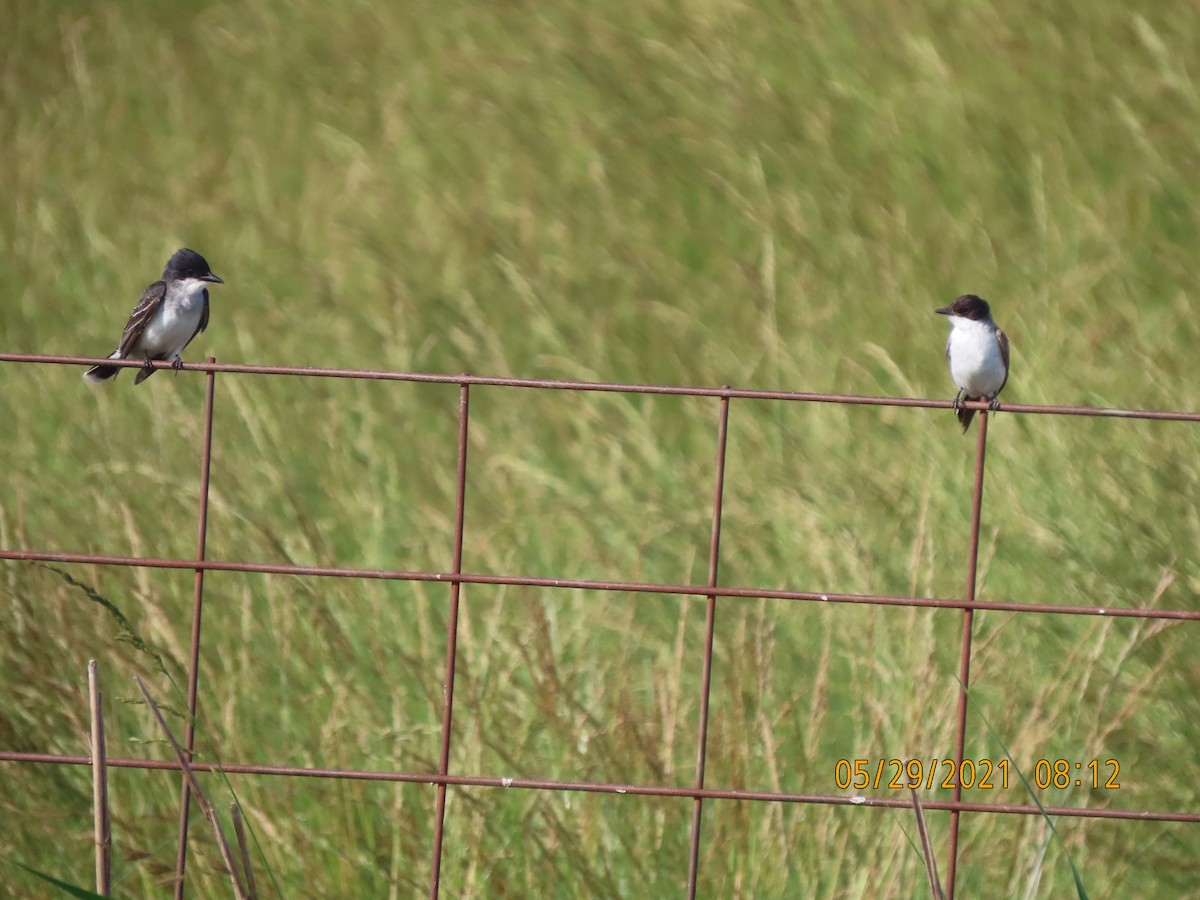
{"x": 978, "y": 354}
{"x": 171, "y": 312}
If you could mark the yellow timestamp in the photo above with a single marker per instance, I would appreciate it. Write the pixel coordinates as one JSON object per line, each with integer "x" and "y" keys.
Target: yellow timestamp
{"x": 981, "y": 774}
{"x": 1062, "y": 773}
{"x": 860, "y": 774}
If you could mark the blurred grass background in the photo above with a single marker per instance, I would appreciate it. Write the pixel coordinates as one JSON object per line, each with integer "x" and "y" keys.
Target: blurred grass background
{"x": 769, "y": 194}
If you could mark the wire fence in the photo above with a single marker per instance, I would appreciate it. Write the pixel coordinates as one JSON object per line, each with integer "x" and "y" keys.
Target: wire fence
{"x": 698, "y": 790}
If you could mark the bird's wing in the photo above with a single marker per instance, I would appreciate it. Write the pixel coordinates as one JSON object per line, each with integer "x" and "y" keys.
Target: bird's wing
{"x": 147, "y": 306}
{"x": 1002, "y": 340}
{"x": 948, "y": 345}
{"x": 203, "y": 317}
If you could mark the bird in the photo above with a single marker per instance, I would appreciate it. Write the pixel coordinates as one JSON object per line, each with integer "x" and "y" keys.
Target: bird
{"x": 978, "y": 354}
{"x": 169, "y": 314}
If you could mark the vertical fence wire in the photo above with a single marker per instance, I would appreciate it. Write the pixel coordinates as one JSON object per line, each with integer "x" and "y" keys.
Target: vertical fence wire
{"x": 197, "y": 609}
{"x": 460, "y": 491}
{"x": 964, "y": 661}
{"x": 101, "y": 823}
{"x": 710, "y": 624}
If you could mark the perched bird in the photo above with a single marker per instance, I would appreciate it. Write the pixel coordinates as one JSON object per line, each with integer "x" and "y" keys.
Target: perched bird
{"x": 978, "y": 354}
{"x": 171, "y": 312}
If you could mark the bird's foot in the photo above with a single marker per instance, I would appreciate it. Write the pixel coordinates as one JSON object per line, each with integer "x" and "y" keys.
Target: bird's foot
{"x": 148, "y": 365}
{"x": 177, "y": 364}
{"x": 958, "y": 398}
{"x": 994, "y": 405}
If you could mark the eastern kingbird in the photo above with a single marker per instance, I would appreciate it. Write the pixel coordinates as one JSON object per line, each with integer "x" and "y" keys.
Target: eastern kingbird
{"x": 170, "y": 313}
{"x": 978, "y": 354}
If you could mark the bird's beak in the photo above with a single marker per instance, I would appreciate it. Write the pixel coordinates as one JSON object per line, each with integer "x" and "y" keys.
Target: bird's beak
{"x": 944, "y": 311}
{"x": 216, "y": 279}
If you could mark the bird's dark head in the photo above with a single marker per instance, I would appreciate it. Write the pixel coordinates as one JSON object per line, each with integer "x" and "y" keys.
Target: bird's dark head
{"x": 968, "y": 306}
{"x": 187, "y": 263}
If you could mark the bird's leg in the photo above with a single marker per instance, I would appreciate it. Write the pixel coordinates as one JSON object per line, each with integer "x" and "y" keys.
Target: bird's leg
{"x": 994, "y": 405}
{"x": 958, "y": 398}
{"x": 177, "y": 364}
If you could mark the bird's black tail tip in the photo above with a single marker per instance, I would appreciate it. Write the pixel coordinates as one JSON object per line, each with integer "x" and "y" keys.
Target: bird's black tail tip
{"x": 97, "y": 374}
{"x": 964, "y": 417}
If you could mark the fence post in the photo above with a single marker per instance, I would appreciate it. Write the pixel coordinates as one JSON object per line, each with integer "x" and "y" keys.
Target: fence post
{"x": 460, "y": 495}
{"x": 710, "y": 624}
{"x": 197, "y": 609}
{"x": 964, "y": 662}
{"x": 101, "y": 823}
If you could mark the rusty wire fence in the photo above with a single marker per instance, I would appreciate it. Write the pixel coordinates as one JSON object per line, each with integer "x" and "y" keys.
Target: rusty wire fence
{"x": 698, "y": 791}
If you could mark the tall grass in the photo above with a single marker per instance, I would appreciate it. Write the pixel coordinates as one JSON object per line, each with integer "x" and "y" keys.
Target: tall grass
{"x": 770, "y": 195}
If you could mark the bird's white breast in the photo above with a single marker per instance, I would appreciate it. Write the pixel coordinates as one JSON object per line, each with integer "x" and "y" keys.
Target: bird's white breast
{"x": 175, "y": 323}
{"x": 976, "y": 363}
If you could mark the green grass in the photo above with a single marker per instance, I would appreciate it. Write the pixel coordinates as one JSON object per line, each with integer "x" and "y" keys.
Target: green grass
{"x": 764, "y": 195}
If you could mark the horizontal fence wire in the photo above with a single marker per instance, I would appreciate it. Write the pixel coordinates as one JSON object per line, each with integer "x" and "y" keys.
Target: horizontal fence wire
{"x": 584, "y": 584}
{"x": 698, "y": 792}
{"x": 607, "y": 387}
{"x": 601, "y": 787}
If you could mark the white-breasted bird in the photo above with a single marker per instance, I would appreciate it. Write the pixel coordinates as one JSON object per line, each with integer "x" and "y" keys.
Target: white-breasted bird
{"x": 169, "y": 314}
{"x": 978, "y": 354}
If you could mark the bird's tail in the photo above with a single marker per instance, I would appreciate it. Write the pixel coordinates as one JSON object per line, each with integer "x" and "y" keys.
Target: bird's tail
{"x": 97, "y": 374}
{"x": 965, "y": 415}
